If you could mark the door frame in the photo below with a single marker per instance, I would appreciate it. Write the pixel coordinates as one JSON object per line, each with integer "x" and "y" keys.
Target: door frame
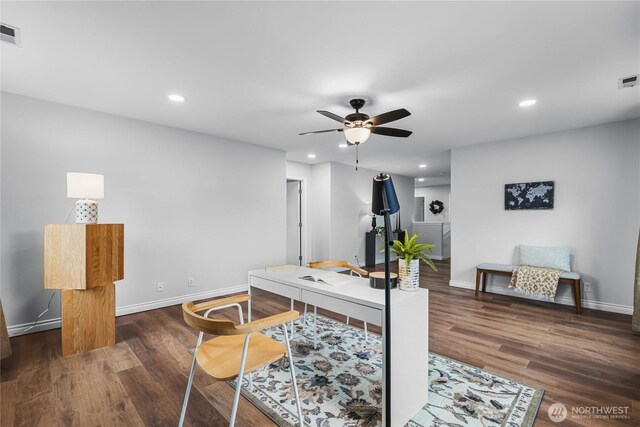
{"x": 304, "y": 214}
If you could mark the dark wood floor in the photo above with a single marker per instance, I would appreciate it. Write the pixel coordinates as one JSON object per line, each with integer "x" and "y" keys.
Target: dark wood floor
{"x": 587, "y": 360}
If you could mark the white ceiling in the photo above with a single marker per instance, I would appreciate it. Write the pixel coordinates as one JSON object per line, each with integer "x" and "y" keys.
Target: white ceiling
{"x": 256, "y": 72}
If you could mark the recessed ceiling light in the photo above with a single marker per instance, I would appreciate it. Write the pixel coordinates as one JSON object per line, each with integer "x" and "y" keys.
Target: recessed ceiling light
{"x": 421, "y": 179}
{"x": 343, "y": 145}
{"x": 311, "y": 156}
{"x": 176, "y": 98}
{"x": 442, "y": 173}
{"x": 527, "y": 103}
{"x": 422, "y": 166}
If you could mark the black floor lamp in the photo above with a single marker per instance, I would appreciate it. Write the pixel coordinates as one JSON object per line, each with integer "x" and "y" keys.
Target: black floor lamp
{"x": 385, "y": 202}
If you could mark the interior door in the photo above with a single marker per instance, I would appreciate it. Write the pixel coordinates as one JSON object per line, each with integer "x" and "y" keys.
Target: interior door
{"x": 418, "y": 209}
{"x": 294, "y": 222}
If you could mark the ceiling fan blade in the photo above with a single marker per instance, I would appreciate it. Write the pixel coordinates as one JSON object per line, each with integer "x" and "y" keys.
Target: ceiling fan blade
{"x": 389, "y": 116}
{"x": 391, "y": 131}
{"x": 335, "y": 117}
{"x": 322, "y": 131}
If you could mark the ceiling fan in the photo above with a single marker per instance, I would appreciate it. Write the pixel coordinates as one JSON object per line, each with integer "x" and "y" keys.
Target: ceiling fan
{"x": 359, "y": 126}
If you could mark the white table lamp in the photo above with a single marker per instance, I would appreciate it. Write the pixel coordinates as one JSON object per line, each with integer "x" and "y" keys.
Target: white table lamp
{"x": 85, "y": 186}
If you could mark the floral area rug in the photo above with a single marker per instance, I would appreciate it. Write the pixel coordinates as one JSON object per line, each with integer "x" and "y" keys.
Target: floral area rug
{"x": 340, "y": 385}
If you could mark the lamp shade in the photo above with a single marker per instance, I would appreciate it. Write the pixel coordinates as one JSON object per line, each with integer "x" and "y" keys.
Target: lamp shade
{"x": 384, "y": 195}
{"x": 357, "y": 135}
{"x": 85, "y": 185}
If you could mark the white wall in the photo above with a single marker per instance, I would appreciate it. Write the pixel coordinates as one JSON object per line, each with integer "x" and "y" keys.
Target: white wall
{"x": 438, "y": 192}
{"x": 320, "y": 215}
{"x": 193, "y": 205}
{"x": 597, "y": 206}
{"x": 351, "y": 207}
{"x": 299, "y": 171}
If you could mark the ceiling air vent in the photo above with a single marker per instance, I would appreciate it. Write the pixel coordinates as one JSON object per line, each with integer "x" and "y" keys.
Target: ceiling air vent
{"x": 630, "y": 81}
{"x": 10, "y": 34}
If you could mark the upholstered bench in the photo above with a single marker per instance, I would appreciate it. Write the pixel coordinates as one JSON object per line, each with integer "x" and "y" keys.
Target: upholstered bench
{"x": 569, "y": 277}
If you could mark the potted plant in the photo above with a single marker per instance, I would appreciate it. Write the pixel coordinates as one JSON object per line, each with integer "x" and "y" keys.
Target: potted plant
{"x": 410, "y": 253}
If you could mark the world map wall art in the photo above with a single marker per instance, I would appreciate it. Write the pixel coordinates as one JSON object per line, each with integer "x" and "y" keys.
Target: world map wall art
{"x": 528, "y": 195}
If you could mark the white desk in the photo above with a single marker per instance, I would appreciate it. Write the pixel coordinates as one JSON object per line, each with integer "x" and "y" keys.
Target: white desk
{"x": 409, "y": 327}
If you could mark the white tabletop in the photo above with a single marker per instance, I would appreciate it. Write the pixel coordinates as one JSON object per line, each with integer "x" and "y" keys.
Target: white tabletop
{"x": 357, "y": 290}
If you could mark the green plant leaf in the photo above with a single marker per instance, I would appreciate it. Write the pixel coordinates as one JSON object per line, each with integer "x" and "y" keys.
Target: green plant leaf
{"x": 424, "y": 246}
{"x": 395, "y": 248}
{"x": 422, "y": 257}
{"x": 411, "y": 249}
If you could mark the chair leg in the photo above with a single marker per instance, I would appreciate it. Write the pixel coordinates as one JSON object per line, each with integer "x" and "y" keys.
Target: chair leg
{"x": 186, "y": 394}
{"x": 236, "y": 397}
{"x": 478, "y": 276}
{"x": 189, "y": 383}
{"x": 315, "y": 327}
{"x": 250, "y": 382}
{"x": 293, "y": 377}
{"x": 366, "y": 333}
{"x": 347, "y": 320}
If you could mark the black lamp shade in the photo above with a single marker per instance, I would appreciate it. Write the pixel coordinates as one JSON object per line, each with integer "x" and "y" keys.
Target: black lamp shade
{"x": 384, "y": 195}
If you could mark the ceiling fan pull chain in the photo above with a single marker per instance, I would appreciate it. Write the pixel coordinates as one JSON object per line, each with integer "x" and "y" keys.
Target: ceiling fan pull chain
{"x": 357, "y": 156}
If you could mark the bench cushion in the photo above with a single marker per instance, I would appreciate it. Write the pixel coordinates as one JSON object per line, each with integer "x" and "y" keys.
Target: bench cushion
{"x": 508, "y": 268}
{"x": 573, "y": 275}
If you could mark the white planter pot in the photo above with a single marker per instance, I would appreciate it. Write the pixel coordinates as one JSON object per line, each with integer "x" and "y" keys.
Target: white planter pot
{"x": 409, "y": 275}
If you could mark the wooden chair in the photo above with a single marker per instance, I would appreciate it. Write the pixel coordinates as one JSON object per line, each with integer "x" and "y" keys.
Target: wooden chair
{"x": 339, "y": 264}
{"x": 333, "y": 264}
{"x": 237, "y": 349}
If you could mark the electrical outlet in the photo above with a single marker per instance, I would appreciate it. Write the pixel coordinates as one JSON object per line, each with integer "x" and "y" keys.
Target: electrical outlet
{"x": 191, "y": 282}
{"x": 587, "y": 287}
{"x": 160, "y": 286}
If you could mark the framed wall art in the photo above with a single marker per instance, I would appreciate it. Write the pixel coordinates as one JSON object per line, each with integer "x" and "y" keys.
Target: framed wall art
{"x": 529, "y": 195}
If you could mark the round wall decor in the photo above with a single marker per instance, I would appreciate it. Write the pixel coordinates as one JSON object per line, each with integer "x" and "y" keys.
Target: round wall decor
{"x": 436, "y": 207}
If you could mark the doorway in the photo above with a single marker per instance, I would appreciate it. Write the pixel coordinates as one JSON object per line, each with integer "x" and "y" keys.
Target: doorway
{"x": 295, "y": 223}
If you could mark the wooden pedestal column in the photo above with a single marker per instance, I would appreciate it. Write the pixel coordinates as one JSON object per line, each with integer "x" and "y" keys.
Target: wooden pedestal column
{"x": 84, "y": 260}
{"x": 88, "y": 319}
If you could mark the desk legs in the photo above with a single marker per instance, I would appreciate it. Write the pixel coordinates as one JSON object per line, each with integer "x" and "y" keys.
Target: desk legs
{"x": 315, "y": 327}
{"x": 409, "y": 361}
{"x": 291, "y": 327}
{"x": 304, "y": 317}
{"x": 88, "y": 319}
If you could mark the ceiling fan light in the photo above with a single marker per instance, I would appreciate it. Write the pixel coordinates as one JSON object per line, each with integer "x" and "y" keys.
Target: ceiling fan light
{"x": 357, "y": 135}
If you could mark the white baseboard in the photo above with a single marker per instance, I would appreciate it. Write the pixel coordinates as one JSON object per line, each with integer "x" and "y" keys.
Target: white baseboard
{"x": 596, "y": 305}
{"x": 152, "y": 305}
{"x": 461, "y": 284}
{"x": 45, "y": 325}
